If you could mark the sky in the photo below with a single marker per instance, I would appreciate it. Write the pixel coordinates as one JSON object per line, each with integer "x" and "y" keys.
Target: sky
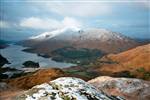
{"x": 20, "y": 19}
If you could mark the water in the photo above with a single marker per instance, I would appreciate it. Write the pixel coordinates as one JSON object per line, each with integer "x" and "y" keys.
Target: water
{"x": 17, "y": 57}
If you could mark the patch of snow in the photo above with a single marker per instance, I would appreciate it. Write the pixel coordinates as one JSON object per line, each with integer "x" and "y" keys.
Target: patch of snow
{"x": 48, "y": 35}
{"x": 102, "y": 34}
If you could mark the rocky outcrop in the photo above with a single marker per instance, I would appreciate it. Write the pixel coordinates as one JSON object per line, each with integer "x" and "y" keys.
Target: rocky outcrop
{"x": 65, "y": 88}
{"x": 131, "y": 89}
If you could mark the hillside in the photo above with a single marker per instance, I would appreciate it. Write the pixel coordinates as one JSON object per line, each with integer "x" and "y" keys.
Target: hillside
{"x": 39, "y": 77}
{"x": 136, "y": 61}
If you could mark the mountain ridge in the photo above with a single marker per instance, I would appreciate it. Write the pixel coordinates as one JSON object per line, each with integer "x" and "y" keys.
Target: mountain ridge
{"x": 102, "y": 39}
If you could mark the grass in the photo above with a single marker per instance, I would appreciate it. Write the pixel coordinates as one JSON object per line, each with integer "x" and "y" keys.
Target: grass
{"x": 141, "y": 70}
{"x": 82, "y": 73}
{"x": 146, "y": 74}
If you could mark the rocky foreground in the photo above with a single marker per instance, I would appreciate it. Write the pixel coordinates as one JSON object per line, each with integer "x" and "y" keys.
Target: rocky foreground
{"x": 66, "y": 88}
{"x": 129, "y": 88}
{"x": 71, "y": 88}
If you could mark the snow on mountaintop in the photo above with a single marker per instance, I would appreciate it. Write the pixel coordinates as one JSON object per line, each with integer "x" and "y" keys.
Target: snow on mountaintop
{"x": 48, "y": 35}
{"x": 100, "y": 34}
{"x": 65, "y": 88}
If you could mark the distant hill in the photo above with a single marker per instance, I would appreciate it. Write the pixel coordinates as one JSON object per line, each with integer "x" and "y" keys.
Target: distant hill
{"x": 143, "y": 41}
{"x": 3, "y": 44}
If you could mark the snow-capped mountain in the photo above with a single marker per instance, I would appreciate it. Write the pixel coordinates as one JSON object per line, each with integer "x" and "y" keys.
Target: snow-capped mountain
{"x": 74, "y": 32}
{"x": 102, "y": 39}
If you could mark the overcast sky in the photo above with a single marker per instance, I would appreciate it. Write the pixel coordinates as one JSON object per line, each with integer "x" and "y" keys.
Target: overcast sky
{"x": 24, "y": 18}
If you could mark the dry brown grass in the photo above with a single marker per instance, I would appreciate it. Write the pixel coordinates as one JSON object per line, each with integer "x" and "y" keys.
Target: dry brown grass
{"x": 41, "y": 76}
{"x": 130, "y": 60}
{"x": 10, "y": 94}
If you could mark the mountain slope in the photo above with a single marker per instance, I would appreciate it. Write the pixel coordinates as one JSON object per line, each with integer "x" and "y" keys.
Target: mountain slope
{"x": 107, "y": 41}
{"x": 39, "y": 77}
{"x": 136, "y": 61}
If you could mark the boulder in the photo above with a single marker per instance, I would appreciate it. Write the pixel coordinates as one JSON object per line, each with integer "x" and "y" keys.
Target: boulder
{"x": 65, "y": 88}
{"x": 129, "y": 88}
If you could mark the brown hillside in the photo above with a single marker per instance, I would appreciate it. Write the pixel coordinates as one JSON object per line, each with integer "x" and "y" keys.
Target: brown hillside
{"x": 41, "y": 76}
{"x": 136, "y": 61}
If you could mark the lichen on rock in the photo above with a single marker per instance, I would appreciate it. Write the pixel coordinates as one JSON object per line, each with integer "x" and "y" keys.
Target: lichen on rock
{"x": 66, "y": 88}
{"x": 129, "y": 88}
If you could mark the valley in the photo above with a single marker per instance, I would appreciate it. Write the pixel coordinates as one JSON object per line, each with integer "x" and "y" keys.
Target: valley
{"x": 91, "y": 51}
{"x": 74, "y": 50}
{"x": 89, "y": 64}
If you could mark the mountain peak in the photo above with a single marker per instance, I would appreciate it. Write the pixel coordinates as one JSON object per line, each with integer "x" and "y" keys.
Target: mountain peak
{"x": 48, "y": 35}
